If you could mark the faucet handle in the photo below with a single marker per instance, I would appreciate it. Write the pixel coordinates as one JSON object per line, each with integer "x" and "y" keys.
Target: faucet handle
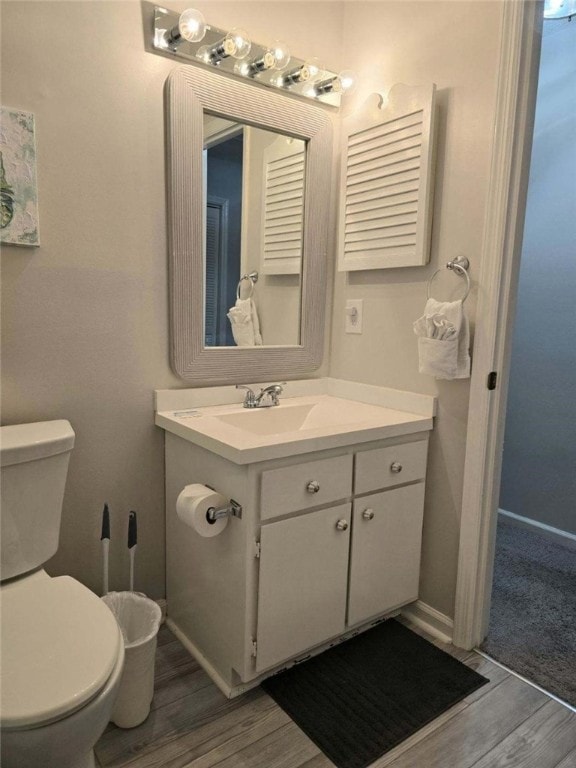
{"x": 276, "y": 388}
{"x": 250, "y": 398}
{"x": 267, "y": 396}
{"x": 273, "y": 392}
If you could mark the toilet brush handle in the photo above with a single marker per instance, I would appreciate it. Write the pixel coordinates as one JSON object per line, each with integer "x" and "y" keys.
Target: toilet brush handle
{"x": 105, "y": 548}
{"x": 132, "y": 542}
{"x": 132, "y": 553}
{"x": 105, "y": 538}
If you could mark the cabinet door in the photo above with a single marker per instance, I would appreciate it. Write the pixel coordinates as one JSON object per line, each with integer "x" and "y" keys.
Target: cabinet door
{"x": 302, "y": 584}
{"x": 385, "y": 554}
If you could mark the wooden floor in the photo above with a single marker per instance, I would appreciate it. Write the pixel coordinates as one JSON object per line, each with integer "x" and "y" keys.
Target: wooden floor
{"x": 505, "y": 724}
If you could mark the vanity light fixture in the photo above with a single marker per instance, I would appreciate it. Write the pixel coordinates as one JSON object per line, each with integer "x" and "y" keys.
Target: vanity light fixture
{"x": 187, "y": 36}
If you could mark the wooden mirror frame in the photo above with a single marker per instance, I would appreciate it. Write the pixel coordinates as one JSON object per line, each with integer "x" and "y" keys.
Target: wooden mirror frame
{"x": 191, "y": 92}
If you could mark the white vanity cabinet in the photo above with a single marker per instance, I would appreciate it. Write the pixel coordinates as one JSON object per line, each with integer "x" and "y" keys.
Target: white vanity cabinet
{"x": 302, "y": 583}
{"x": 328, "y": 543}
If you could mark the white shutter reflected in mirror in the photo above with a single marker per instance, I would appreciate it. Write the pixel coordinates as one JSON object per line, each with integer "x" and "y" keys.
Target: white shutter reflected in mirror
{"x": 387, "y": 181}
{"x": 283, "y": 209}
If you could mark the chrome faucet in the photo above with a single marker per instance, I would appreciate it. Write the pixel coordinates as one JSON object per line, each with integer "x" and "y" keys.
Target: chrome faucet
{"x": 265, "y": 399}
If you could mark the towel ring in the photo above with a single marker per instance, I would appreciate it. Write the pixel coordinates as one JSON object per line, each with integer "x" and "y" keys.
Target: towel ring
{"x": 253, "y": 277}
{"x": 461, "y": 265}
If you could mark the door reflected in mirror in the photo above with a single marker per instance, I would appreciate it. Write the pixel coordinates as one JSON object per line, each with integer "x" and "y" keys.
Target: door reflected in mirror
{"x": 253, "y": 185}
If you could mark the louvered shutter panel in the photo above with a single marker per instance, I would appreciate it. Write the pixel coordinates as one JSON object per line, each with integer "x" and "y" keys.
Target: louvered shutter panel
{"x": 386, "y": 205}
{"x": 283, "y": 208}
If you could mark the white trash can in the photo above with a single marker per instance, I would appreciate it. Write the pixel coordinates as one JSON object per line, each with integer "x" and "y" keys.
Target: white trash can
{"x": 139, "y": 619}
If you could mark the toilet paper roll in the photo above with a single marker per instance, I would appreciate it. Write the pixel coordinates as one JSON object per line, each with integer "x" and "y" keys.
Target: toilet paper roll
{"x": 192, "y": 507}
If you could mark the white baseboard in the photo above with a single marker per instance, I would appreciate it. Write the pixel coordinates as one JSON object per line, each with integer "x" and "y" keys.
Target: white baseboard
{"x": 430, "y": 620}
{"x": 216, "y": 678}
{"x": 563, "y": 537}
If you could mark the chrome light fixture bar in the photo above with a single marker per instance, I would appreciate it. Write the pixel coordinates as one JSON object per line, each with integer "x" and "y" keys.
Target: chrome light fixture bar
{"x": 188, "y": 37}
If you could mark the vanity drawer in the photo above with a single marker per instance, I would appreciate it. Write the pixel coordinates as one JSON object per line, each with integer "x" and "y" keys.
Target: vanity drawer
{"x": 395, "y": 464}
{"x": 291, "y": 489}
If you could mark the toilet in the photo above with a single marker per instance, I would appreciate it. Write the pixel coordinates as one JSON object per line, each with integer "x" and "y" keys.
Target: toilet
{"x": 62, "y": 652}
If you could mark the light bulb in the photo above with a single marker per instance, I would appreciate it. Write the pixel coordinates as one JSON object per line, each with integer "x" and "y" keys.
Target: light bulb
{"x": 203, "y": 53}
{"x": 310, "y": 70}
{"x": 342, "y": 83}
{"x": 345, "y": 82}
{"x": 191, "y": 27}
{"x": 280, "y": 53}
{"x": 242, "y": 68}
{"x": 235, "y": 44}
{"x": 276, "y": 56}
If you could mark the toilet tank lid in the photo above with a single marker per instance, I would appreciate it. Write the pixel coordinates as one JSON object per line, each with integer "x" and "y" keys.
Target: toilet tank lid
{"x": 27, "y": 442}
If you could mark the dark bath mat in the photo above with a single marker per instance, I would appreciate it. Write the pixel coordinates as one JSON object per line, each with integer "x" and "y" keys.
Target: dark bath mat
{"x": 361, "y": 698}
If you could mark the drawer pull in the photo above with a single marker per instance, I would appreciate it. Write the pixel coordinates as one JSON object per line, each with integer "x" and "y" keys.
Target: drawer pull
{"x": 368, "y": 514}
{"x": 395, "y": 467}
{"x": 313, "y": 486}
{"x": 342, "y": 525}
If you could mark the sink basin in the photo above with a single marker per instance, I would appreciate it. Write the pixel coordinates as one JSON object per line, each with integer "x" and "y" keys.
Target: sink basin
{"x": 269, "y": 421}
{"x": 298, "y": 425}
{"x": 327, "y": 413}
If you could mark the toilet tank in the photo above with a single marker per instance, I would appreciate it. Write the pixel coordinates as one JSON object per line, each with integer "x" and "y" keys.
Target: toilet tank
{"x": 33, "y": 465}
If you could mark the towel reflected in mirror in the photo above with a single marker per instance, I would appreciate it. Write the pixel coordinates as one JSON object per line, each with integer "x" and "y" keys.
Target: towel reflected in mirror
{"x": 245, "y": 324}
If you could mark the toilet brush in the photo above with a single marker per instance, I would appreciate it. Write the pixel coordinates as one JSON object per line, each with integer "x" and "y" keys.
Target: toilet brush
{"x": 132, "y": 542}
{"x": 105, "y": 538}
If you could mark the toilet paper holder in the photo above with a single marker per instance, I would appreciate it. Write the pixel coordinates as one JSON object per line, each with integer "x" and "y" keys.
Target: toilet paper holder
{"x": 232, "y": 509}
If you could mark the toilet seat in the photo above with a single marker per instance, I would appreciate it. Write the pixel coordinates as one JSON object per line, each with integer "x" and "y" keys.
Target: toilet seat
{"x": 60, "y": 644}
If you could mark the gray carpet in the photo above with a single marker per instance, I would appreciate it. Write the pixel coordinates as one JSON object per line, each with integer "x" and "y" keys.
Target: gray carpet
{"x": 533, "y": 617}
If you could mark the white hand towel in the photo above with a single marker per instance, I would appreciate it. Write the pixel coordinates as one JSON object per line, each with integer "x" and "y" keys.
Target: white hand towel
{"x": 445, "y": 355}
{"x": 255, "y": 324}
{"x": 245, "y": 324}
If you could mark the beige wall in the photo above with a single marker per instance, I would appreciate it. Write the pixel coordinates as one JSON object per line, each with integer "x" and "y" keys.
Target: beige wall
{"x": 85, "y": 315}
{"x": 455, "y": 45}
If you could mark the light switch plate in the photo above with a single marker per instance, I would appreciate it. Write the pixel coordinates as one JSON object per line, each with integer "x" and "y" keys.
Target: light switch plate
{"x": 353, "y": 323}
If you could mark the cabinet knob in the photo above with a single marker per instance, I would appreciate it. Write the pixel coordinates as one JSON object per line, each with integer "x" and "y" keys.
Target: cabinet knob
{"x": 342, "y": 525}
{"x": 396, "y": 467}
{"x": 368, "y": 514}
{"x": 313, "y": 486}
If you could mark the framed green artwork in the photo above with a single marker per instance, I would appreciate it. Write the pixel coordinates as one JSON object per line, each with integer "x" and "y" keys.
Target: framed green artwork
{"x": 18, "y": 190}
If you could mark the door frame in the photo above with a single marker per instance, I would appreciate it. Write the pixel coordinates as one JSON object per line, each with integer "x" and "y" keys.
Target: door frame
{"x": 497, "y": 290}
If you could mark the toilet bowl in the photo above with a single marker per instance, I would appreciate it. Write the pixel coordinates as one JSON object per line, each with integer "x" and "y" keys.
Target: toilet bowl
{"x": 62, "y": 649}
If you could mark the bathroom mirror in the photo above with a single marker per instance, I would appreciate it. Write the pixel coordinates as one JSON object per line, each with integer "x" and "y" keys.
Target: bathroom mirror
{"x": 254, "y": 223}
{"x": 291, "y": 282}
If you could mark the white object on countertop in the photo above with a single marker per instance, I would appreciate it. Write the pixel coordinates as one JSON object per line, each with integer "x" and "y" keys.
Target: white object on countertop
{"x": 443, "y": 340}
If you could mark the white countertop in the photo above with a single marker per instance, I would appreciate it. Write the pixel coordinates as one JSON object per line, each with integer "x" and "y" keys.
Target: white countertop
{"x": 334, "y": 414}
